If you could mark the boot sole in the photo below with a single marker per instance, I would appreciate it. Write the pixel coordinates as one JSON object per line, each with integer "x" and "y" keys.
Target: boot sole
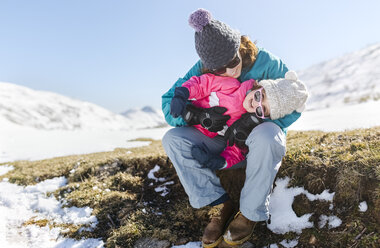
{"x": 240, "y": 241}
{"x": 220, "y": 239}
{"x": 212, "y": 245}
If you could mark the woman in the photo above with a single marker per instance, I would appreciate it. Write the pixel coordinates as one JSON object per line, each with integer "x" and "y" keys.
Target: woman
{"x": 218, "y": 46}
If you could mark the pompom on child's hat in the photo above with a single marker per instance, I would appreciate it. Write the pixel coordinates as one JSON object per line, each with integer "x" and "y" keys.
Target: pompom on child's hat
{"x": 285, "y": 95}
{"x": 215, "y": 42}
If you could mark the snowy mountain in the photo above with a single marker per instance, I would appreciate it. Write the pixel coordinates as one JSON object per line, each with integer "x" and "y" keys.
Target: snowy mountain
{"x": 50, "y": 111}
{"x": 149, "y": 116}
{"x": 349, "y": 79}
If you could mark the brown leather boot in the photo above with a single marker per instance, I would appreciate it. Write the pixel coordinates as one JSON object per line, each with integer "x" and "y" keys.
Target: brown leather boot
{"x": 213, "y": 233}
{"x": 239, "y": 230}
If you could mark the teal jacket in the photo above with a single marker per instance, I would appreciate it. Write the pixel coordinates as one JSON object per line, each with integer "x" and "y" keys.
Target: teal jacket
{"x": 266, "y": 66}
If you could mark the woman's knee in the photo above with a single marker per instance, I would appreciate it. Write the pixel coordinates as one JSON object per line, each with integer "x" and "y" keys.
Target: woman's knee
{"x": 170, "y": 137}
{"x": 268, "y": 135}
{"x": 179, "y": 138}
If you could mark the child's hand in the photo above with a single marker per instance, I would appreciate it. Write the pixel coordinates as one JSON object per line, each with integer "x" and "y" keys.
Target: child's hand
{"x": 178, "y": 103}
{"x": 213, "y": 119}
{"x": 238, "y": 132}
{"x": 206, "y": 159}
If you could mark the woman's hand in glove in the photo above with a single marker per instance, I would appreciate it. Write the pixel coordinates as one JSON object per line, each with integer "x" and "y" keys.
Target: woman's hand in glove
{"x": 206, "y": 159}
{"x": 178, "y": 103}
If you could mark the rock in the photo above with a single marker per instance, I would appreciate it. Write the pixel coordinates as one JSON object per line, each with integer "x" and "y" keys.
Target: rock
{"x": 248, "y": 245}
{"x": 151, "y": 243}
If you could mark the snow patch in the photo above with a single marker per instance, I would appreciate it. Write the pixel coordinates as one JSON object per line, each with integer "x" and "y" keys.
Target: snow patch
{"x": 339, "y": 118}
{"x": 363, "y": 206}
{"x": 289, "y": 243}
{"x": 189, "y": 245}
{"x": 332, "y": 221}
{"x": 152, "y": 176}
{"x": 23, "y": 143}
{"x": 19, "y": 204}
{"x": 162, "y": 188}
{"x": 4, "y": 169}
{"x": 283, "y": 218}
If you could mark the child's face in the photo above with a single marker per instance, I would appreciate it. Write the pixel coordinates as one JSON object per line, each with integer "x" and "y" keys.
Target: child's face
{"x": 253, "y": 103}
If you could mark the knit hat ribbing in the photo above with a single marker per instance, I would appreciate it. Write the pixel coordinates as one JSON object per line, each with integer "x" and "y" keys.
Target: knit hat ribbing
{"x": 215, "y": 42}
{"x": 285, "y": 95}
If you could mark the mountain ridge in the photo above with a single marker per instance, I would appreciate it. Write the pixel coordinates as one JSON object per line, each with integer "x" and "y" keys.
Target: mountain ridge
{"x": 349, "y": 79}
{"x": 51, "y": 111}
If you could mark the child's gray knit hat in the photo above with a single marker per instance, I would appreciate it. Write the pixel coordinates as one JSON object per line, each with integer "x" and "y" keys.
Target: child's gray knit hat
{"x": 216, "y": 43}
{"x": 285, "y": 95}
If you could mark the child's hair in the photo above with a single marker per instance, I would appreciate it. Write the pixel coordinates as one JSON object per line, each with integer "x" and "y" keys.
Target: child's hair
{"x": 256, "y": 86}
{"x": 248, "y": 52}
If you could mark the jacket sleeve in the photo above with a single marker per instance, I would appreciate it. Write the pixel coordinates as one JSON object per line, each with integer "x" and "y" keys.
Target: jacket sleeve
{"x": 287, "y": 120}
{"x": 275, "y": 68}
{"x": 167, "y": 97}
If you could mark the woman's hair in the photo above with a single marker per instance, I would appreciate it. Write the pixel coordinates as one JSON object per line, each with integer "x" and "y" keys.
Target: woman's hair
{"x": 248, "y": 52}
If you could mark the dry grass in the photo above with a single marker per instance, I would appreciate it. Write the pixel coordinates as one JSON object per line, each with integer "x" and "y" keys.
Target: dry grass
{"x": 116, "y": 186}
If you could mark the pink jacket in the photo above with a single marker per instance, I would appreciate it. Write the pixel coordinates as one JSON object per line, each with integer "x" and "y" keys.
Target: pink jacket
{"x": 209, "y": 90}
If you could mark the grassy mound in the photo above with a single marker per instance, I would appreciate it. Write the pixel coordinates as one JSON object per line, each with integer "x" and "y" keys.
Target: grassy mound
{"x": 129, "y": 206}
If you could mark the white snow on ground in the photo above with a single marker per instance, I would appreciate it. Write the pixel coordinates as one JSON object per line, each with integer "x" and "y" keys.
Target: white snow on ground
{"x": 332, "y": 221}
{"x": 289, "y": 243}
{"x": 283, "y": 218}
{"x": 363, "y": 206}
{"x": 189, "y": 245}
{"x": 25, "y": 143}
{"x": 340, "y": 118}
{"x": 19, "y": 204}
{"x": 5, "y": 168}
{"x": 152, "y": 176}
{"x": 162, "y": 187}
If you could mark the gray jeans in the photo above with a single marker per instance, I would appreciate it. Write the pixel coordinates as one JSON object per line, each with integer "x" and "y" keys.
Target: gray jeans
{"x": 267, "y": 145}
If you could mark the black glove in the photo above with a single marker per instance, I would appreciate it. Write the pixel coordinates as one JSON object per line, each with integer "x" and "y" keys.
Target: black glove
{"x": 210, "y": 118}
{"x": 206, "y": 159}
{"x": 238, "y": 132}
{"x": 178, "y": 103}
{"x": 191, "y": 115}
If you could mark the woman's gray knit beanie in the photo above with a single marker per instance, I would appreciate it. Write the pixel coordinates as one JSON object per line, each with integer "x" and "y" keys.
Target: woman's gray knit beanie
{"x": 215, "y": 42}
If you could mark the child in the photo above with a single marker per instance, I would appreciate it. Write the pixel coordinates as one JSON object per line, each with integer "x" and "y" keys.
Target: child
{"x": 268, "y": 99}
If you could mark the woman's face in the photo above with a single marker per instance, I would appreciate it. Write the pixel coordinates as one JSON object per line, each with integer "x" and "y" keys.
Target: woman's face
{"x": 234, "y": 72}
{"x": 250, "y": 104}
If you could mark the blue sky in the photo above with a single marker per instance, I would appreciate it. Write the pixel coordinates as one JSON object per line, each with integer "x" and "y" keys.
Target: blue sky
{"x": 124, "y": 54}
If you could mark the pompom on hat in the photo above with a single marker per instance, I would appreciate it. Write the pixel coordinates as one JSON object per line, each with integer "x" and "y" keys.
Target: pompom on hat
{"x": 285, "y": 95}
{"x": 215, "y": 42}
